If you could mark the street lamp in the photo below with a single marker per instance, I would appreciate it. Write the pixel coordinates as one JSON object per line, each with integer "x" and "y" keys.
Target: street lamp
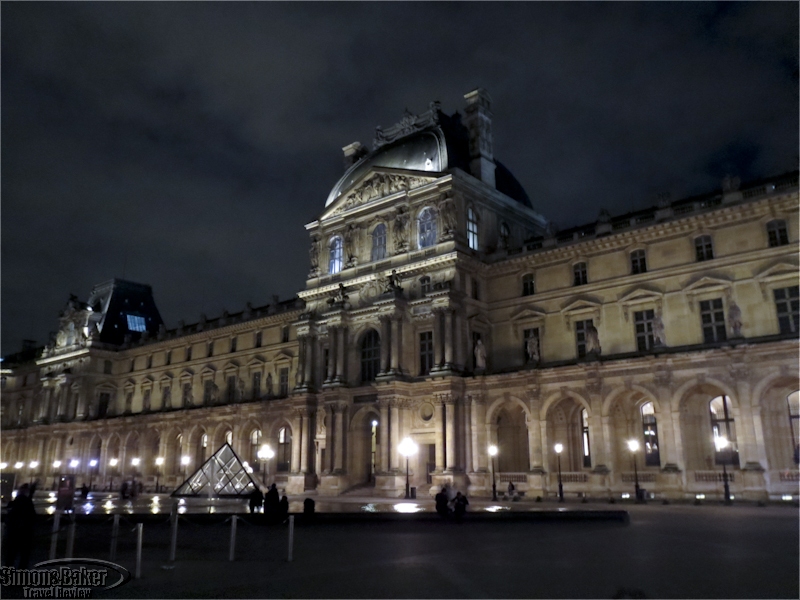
{"x": 3, "y": 465}
{"x": 113, "y": 464}
{"x": 92, "y": 465}
{"x": 493, "y": 453}
{"x": 33, "y": 465}
{"x": 135, "y": 464}
{"x": 73, "y": 464}
{"x": 19, "y": 464}
{"x": 559, "y": 448}
{"x": 633, "y": 446}
{"x": 721, "y": 442}
{"x": 56, "y": 466}
{"x": 264, "y": 454}
{"x": 185, "y": 463}
{"x": 159, "y": 463}
{"x": 407, "y": 448}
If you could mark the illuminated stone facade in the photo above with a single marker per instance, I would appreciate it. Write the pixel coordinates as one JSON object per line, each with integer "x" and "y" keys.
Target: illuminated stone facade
{"x": 441, "y": 306}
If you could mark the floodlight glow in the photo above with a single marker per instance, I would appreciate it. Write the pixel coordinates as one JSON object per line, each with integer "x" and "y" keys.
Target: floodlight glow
{"x": 160, "y": 461}
{"x": 408, "y": 507}
{"x": 185, "y": 460}
{"x": 56, "y": 464}
{"x": 113, "y": 462}
{"x": 93, "y": 462}
{"x": 19, "y": 465}
{"x": 74, "y": 463}
{"x": 559, "y": 448}
{"x": 34, "y": 464}
{"x": 3, "y": 465}
{"x": 407, "y": 448}
{"x": 265, "y": 452}
{"x": 374, "y": 423}
{"x": 492, "y": 450}
{"x": 633, "y": 445}
{"x": 787, "y": 497}
{"x": 700, "y": 496}
{"x": 135, "y": 462}
{"x": 720, "y": 442}
{"x": 625, "y": 496}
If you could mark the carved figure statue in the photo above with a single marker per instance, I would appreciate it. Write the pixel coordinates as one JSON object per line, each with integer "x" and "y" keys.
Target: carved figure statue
{"x": 240, "y": 390}
{"x": 480, "y": 355}
{"x": 735, "y": 320}
{"x": 350, "y": 243}
{"x": 394, "y": 282}
{"x": 313, "y": 253}
{"x": 532, "y": 347}
{"x": 592, "y": 341}
{"x": 401, "y": 232}
{"x": 269, "y": 385}
{"x": 447, "y": 208}
{"x": 658, "y": 330}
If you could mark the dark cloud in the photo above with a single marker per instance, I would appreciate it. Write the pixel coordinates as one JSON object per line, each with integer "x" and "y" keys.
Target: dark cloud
{"x": 186, "y": 144}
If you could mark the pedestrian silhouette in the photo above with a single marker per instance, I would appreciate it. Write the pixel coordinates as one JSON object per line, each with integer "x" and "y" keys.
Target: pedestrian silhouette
{"x": 460, "y": 505}
{"x": 283, "y": 509}
{"x": 441, "y": 503}
{"x": 256, "y": 499}
{"x": 19, "y": 529}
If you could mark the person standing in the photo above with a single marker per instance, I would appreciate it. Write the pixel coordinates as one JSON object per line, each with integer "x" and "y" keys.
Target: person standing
{"x": 256, "y": 499}
{"x": 283, "y": 509}
{"x": 441, "y": 503}
{"x": 19, "y": 532}
{"x": 460, "y": 505}
{"x": 271, "y": 502}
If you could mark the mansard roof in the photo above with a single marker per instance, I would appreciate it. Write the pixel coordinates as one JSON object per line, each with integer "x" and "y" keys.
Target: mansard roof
{"x": 432, "y": 142}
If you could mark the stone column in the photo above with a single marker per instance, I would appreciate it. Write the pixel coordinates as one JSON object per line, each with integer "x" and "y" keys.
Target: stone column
{"x": 305, "y": 422}
{"x": 448, "y": 339}
{"x": 339, "y": 441}
{"x": 481, "y": 443}
{"x": 386, "y": 340}
{"x": 437, "y": 340}
{"x": 394, "y": 441}
{"x": 396, "y": 353}
{"x": 752, "y": 454}
{"x": 329, "y": 438}
{"x": 308, "y": 357}
{"x": 297, "y": 442}
{"x": 467, "y": 435}
{"x": 535, "y": 444}
{"x": 458, "y": 341}
{"x": 340, "y": 360}
{"x": 450, "y": 436}
{"x": 384, "y": 425}
{"x": 439, "y": 410}
{"x": 332, "y": 343}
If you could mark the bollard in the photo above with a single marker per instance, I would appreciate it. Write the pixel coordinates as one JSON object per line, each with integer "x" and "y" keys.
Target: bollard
{"x": 54, "y": 537}
{"x": 114, "y": 537}
{"x": 291, "y": 537}
{"x": 173, "y": 544}
{"x": 232, "y": 553}
{"x": 139, "y": 531}
{"x": 70, "y": 537}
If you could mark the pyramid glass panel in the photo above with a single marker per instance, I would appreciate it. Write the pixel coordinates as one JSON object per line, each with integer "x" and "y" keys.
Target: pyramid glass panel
{"x": 222, "y": 475}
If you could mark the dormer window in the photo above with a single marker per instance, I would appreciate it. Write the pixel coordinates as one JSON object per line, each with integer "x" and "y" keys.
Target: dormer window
{"x": 579, "y": 274}
{"x": 638, "y": 262}
{"x": 135, "y": 323}
{"x": 777, "y": 233}
{"x": 335, "y": 262}
{"x": 427, "y": 228}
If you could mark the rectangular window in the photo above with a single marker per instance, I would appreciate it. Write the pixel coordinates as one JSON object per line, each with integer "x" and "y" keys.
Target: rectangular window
{"x": 150, "y": 362}
{"x": 581, "y": 327}
{"x": 651, "y": 453}
{"x": 135, "y": 323}
{"x": 230, "y": 392}
{"x": 186, "y": 400}
{"x": 189, "y": 353}
{"x": 643, "y": 324}
{"x": 530, "y": 345}
{"x": 166, "y": 397}
{"x": 259, "y": 339}
{"x": 133, "y": 364}
{"x": 425, "y": 352}
{"x": 146, "y": 400}
{"x": 106, "y": 369}
{"x": 284, "y": 381}
{"x": 476, "y": 289}
{"x": 103, "y": 402}
{"x": 778, "y": 234}
{"x": 528, "y": 285}
{"x": 208, "y": 391}
{"x": 638, "y": 262}
{"x": 256, "y": 386}
{"x": 233, "y": 344}
{"x": 787, "y": 306}
{"x": 703, "y": 248}
{"x": 579, "y": 274}
{"x": 168, "y": 358}
{"x": 326, "y": 361}
{"x": 712, "y": 316}
{"x": 210, "y": 349}
{"x": 285, "y": 334}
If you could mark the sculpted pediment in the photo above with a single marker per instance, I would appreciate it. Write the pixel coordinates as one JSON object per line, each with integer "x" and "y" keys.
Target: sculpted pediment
{"x": 374, "y": 185}
{"x": 779, "y": 273}
{"x": 707, "y": 283}
{"x": 527, "y": 313}
{"x": 641, "y": 294}
{"x": 282, "y": 356}
{"x": 584, "y": 303}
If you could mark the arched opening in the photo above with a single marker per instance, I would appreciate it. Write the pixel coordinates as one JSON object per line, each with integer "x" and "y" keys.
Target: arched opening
{"x": 707, "y": 414}
{"x": 201, "y": 451}
{"x": 632, "y": 417}
{"x": 511, "y": 434}
{"x": 176, "y": 455}
{"x": 283, "y": 456}
{"x": 780, "y": 418}
{"x": 335, "y": 258}
{"x": 133, "y": 457}
{"x": 113, "y": 460}
{"x": 568, "y": 425}
{"x": 370, "y": 356}
{"x": 93, "y": 464}
{"x": 364, "y": 459}
{"x": 254, "y": 444}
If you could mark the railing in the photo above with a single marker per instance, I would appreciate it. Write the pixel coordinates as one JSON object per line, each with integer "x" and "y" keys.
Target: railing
{"x": 643, "y": 478}
{"x": 712, "y": 476}
{"x": 574, "y": 477}
{"x": 684, "y": 209}
{"x": 512, "y": 477}
{"x": 790, "y": 475}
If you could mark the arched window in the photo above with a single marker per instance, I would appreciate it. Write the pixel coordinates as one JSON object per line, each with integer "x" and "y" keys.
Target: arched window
{"x": 335, "y": 262}
{"x": 472, "y": 229}
{"x": 722, "y": 426}
{"x": 426, "y": 225}
{"x": 201, "y": 452}
{"x": 370, "y": 355}
{"x": 284, "y": 449}
{"x": 793, "y": 400}
{"x": 177, "y": 467}
{"x": 528, "y": 285}
{"x": 587, "y": 454}
{"x": 229, "y": 437}
{"x": 638, "y": 262}
{"x": 255, "y": 441}
{"x": 650, "y": 430}
{"x": 579, "y": 274}
{"x": 379, "y": 242}
{"x": 777, "y": 233}
{"x": 703, "y": 248}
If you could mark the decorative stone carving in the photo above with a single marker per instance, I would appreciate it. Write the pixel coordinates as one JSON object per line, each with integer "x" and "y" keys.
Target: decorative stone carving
{"x": 377, "y": 186}
{"x": 269, "y": 385}
{"x": 410, "y": 123}
{"x": 313, "y": 255}
{"x": 731, "y": 184}
{"x": 351, "y": 245}
{"x": 480, "y": 356}
{"x": 339, "y": 298}
{"x": 659, "y": 337}
{"x": 393, "y": 283}
{"x": 447, "y": 208}
{"x": 735, "y": 320}
{"x": 400, "y": 231}
{"x": 532, "y": 348}
{"x": 592, "y": 341}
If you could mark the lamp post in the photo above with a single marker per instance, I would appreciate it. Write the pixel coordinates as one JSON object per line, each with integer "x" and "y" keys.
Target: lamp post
{"x": 113, "y": 464}
{"x": 73, "y": 464}
{"x": 559, "y": 448}
{"x": 493, "y": 453}
{"x": 185, "y": 463}
{"x": 33, "y": 465}
{"x": 264, "y": 454}
{"x": 92, "y": 465}
{"x": 407, "y": 448}
{"x": 633, "y": 446}
{"x": 721, "y": 443}
{"x": 56, "y": 466}
{"x": 159, "y": 464}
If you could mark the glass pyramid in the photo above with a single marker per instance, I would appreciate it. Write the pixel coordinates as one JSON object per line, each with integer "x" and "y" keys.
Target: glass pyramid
{"x": 221, "y": 476}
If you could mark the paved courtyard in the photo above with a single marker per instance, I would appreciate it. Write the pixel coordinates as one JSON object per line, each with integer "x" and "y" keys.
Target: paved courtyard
{"x": 675, "y": 551}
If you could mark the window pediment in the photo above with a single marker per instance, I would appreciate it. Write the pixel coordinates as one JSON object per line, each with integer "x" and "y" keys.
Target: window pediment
{"x": 256, "y": 363}
{"x": 208, "y": 371}
{"x": 231, "y": 367}
{"x": 638, "y": 296}
{"x": 528, "y": 317}
{"x": 581, "y": 308}
{"x": 165, "y": 379}
{"x": 706, "y": 287}
{"x": 130, "y": 385}
{"x": 777, "y": 272}
{"x": 186, "y": 374}
{"x": 282, "y": 357}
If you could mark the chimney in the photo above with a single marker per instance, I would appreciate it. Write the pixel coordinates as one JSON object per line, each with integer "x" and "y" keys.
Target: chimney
{"x": 352, "y": 153}
{"x": 479, "y": 124}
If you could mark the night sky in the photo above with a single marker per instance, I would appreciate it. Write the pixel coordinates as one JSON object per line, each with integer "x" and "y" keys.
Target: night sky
{"x": 186, "y": 145}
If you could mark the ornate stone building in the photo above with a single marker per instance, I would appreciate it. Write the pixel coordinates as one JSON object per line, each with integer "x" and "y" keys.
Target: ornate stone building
{"x": 441, "y": 306}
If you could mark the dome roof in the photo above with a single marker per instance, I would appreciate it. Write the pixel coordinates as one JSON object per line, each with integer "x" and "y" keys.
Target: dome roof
{"x": 440, "y": 144}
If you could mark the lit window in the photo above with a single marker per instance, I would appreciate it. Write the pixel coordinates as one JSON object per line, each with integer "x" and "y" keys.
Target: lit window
{"x": 427, "y": 228}
{"x": 787, "y": 305}
{"x": 638, "y": 262}
{"x": 794, "y": 423}
{"x": 472, "y": 229}
{"x": 136, "y": 323}
{"x": 284, "y": 449}
{"x": 650, "y": 430}
{"x": 335, "y": 262}
{"x": 370, "y": 356}
{"x": 712, "y": 316}
{"x": 528, "y": 285}
{"x": 379, "y": 242}
{"x": 703, "y": 248}
{"x": 579, "y": 274}
{"x": 722, "y": 425}
{"x": 587, "y": 454}
{"x": 778, "y": 235}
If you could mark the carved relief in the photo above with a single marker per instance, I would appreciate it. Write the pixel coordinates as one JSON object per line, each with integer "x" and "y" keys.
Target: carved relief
{"x": 400, "y": 231}
{"x": 447, "y": 209}
{"x": 377, "y": 186}
{"x": 410, "y": 123}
